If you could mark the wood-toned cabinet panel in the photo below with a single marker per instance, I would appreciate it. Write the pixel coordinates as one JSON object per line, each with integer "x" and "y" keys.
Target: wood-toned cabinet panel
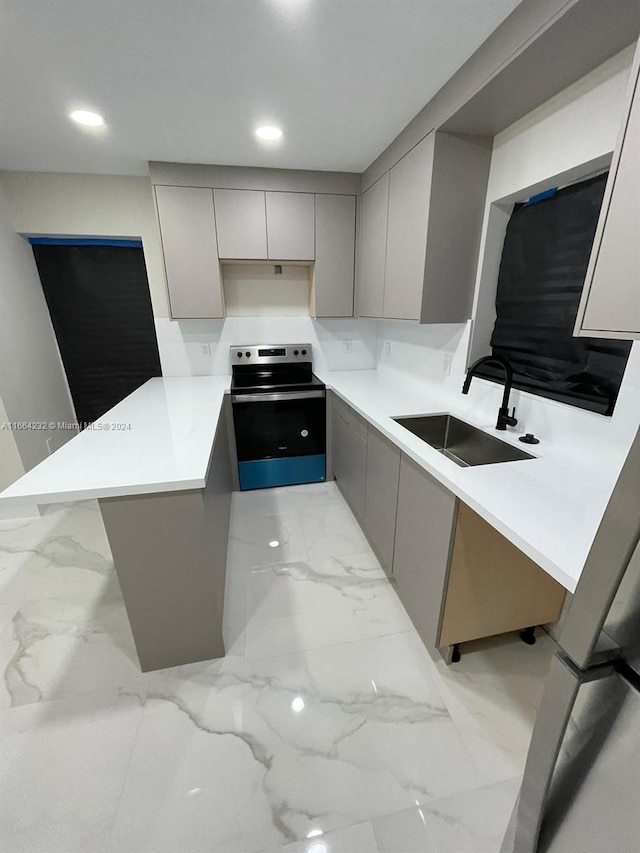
{"x": 611, "y": 298}
{"x": 381, "y": 498}
{"x": 188, "y": 233}
{"x": 409, "y": 193}
{"x": 425, "y": 519}
{"x": 493, "y": 587}
{"x": 373, "y": 248}
{"x": 290, "y": 226}
{"x": 241, "y": 224}
{"x": 335, "y": 255}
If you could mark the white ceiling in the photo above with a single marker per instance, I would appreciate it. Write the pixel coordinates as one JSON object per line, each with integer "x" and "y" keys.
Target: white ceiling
{"x": 189, "y": 80}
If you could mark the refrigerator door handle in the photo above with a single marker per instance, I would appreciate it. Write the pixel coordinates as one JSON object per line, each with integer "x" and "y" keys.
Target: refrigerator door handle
{"x": 561, "y": 688}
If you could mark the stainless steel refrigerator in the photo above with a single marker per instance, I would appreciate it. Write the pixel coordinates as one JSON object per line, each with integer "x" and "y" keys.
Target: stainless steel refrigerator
{"x": 581, "y": 787}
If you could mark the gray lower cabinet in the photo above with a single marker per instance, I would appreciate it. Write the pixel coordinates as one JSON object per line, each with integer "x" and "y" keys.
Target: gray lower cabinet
{"x": 188, "y": 233}
{"x": 424, "y": 529}
{"x": 170, "y": 552}
{"x": 381, "y": 496}
{"x": 349, "y": 450}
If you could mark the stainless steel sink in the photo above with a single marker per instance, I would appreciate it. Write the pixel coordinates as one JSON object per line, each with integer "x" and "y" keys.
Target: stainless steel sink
{"x": 464, "y": 444}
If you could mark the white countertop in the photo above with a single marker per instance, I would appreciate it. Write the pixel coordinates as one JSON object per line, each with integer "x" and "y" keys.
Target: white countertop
{"x": 173, "y": 424}
{"x": 549, "y": 507}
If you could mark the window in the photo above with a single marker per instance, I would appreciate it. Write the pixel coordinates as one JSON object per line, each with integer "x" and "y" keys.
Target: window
{"x": 542, "y": 271}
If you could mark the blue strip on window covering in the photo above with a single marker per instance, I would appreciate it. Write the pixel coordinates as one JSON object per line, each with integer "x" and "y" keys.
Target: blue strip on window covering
{"x": 541, "y": 196}
{"x": 84, "y": 241}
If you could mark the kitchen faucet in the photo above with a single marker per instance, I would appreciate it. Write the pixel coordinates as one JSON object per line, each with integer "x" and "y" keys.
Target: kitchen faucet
{"x": 504, "y": 418}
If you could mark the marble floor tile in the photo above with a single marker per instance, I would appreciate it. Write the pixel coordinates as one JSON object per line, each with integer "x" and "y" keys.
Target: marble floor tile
{"x": 492, "y": 695}
{"x": 63, "y": 769}
{"x": 266, "y": 539}
{"x": 332, "y": 531}
{"x": 305, "y": 605}
{"x": 284, "y": 499}
{"x": 7, "y": 612}
{"x": 472, "y": 822}
{"x": 65, "y": 536}
{"x": 326, "y": 714}
{"x": 71, "y": 636}
{"x": 235, "y": 757}
{"x": 358, "y": 838}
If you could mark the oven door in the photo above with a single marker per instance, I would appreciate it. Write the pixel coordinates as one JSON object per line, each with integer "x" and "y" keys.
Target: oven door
{"x": 280, "y": 438}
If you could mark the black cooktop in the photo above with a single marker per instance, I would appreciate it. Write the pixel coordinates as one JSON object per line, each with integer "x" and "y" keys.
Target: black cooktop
{"x": 253, "y": 379}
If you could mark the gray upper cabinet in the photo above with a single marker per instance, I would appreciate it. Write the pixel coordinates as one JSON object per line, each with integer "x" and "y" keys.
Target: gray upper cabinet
{"x": 418, "y": 260}
{"x": 290, "y": 226}
{"x": 409, "y": 191}
{"x": 188, "y": 232}
{"x": 373, "y": 248}
{"x": 241, "y": 224}
{"x": 381, "y": 496}
{"x": 610, "y": 305}
{"x": 424, "y": 530}
{"x": 335, "y": 256}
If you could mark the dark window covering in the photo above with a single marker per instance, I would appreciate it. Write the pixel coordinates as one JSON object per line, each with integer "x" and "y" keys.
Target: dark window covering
{"x": 542, "y": 271}
{"x": 100, "y": 306}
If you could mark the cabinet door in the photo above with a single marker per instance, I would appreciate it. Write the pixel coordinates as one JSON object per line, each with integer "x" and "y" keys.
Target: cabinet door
{"x": 381, "y": 496}
{"x": 611, "y": 298}
{"x": 373, "y": 248}
{"x": 339, "y": 443}
{"x": 409, "y": 193}
{"x": 356, "y": 469}
{"x": 335, "y": 255}
{"x": 425, "y": 519}
{"x": 290, "y": 226}
{"x": 241, "y": 223}
{"x": 188, "y": 233}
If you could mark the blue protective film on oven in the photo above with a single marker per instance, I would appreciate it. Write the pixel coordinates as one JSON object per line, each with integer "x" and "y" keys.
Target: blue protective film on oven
{"x": 290, "y": 471}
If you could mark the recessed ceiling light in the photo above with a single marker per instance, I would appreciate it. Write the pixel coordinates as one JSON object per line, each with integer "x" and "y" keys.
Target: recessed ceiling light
{"x": 87, "y": 118}
{"x": 268, "y": 132}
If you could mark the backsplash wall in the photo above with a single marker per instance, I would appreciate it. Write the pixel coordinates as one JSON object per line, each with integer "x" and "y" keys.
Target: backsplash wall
{"x": 337, "y": 344}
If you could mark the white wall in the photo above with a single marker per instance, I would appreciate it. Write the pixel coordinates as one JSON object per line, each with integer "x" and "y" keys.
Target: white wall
{"x": 121, "y": 206}
{"x": 33, "y": 385}
{"x": 95, "y": 206}
{"x": 11, "y": 466}
{"x": 180, "y": 342}
{"x": 563, "y": 137}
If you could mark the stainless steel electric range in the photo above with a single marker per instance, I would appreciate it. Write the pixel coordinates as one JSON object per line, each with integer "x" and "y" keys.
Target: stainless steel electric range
{"x": 279, "y": 415}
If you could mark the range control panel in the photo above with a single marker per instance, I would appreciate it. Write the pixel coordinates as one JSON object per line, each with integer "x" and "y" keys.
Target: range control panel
{"x": 289, "y": 354}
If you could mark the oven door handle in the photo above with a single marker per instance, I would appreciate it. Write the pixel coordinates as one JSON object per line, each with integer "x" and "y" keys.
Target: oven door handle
{"x": 276, "y": 397}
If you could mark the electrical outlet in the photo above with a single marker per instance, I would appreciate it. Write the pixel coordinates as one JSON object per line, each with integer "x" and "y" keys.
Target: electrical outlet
{"x": 446, "y": 363}
{"x": 205, "y": 349}
{"x": 387, "y": 347}
{"x": 348, "y": 346}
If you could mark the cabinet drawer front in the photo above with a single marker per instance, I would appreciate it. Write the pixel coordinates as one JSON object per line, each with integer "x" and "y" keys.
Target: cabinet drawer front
{"x": 241, "y": 224}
